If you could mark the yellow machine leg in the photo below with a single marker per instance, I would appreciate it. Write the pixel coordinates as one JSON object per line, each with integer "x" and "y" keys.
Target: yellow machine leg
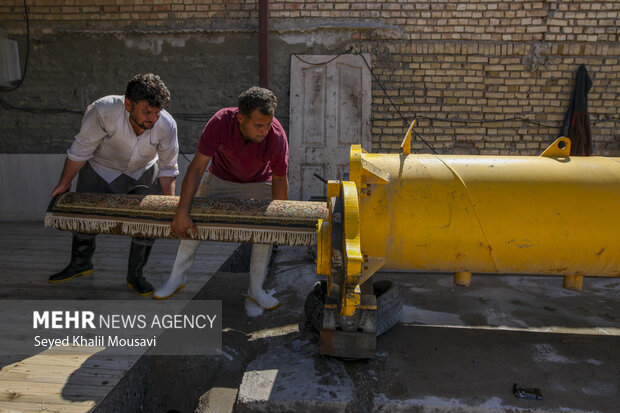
{"x": 462, "y": 278}
{"x": 573, "y": 282}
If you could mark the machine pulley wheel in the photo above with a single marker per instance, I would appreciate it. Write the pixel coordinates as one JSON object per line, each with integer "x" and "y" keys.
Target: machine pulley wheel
{"x": 389, "y": 305}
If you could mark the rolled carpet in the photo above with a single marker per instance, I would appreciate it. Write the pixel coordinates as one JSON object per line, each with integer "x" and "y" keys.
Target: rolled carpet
{"x": 224, "y": 220}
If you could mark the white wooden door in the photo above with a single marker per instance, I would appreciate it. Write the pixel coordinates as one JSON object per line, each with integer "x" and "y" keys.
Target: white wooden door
{"x": 329, "y": 111}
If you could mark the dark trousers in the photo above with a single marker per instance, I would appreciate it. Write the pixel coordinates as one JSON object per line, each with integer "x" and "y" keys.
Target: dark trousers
{"x": 90, "y": 181}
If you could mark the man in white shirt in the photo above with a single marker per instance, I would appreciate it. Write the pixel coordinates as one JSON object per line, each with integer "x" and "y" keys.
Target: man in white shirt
{"x": 124, "y": 145}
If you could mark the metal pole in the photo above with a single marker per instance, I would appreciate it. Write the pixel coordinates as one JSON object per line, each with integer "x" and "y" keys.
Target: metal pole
{"x": 263, "y": 43}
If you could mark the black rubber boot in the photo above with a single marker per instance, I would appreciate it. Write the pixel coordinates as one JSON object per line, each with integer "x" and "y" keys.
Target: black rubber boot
{"x": 82, "y": 250}
{"x": 138, "y": 256}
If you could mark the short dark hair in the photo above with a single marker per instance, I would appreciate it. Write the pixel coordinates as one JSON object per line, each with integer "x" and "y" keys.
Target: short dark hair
{"x": 257, "y": 98}
{"x": 149, "y": 87}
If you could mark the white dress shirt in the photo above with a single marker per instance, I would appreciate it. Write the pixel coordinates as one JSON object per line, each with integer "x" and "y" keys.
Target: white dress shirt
{"x": 107, "y": 140}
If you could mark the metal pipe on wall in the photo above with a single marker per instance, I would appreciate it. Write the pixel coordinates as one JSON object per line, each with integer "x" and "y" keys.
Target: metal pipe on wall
{"x": 263, "y": 43}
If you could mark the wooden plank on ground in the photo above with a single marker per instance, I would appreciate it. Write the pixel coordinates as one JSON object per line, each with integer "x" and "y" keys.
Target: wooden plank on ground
{"x": 59, "y": 374}
{"x": 78, "y": 382}
{"x": 43, "y": 407}
{"x": 49, "y": 392}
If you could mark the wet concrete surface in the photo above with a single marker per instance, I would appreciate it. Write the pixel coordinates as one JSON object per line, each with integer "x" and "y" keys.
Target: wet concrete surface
{"x": 455, "y": 349}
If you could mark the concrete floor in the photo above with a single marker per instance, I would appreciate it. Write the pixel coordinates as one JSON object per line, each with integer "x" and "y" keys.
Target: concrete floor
{"x": 455, "y": 349}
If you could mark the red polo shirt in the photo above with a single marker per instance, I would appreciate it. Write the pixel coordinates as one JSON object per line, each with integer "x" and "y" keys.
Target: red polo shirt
{"x": 237, "y": 161}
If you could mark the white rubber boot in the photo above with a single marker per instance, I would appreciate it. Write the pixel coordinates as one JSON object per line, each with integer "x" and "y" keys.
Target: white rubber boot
{"x": 261, "y": 253}
{"x": 178, "y": 276}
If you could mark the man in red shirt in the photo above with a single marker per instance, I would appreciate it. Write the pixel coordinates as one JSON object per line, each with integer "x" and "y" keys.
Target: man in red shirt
{"x": 247, "y": 149}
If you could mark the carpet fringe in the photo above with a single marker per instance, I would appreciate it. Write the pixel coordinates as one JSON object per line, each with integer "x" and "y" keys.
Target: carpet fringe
{"x": 162, "y": 230}
{"x": 91, "y": 225}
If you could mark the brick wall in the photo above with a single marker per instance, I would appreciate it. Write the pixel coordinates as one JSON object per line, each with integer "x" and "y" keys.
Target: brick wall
{"x": 480, "y": 76}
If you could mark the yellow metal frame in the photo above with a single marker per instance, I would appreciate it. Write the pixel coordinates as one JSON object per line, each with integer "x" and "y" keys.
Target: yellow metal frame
{"x": 465, "y": 214}
{"x": 352, "y": 251}
{"x": 350, "y": 297}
